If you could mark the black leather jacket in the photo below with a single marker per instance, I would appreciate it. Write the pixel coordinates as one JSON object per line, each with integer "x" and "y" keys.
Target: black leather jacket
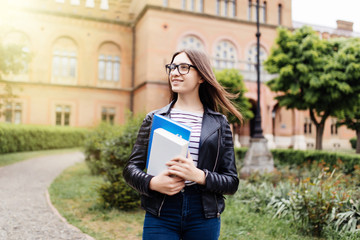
{"x": 216, "y": 159}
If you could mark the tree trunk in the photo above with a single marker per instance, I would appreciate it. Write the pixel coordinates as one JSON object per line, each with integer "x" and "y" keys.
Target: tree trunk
{"x": 319, "y": 135}
{"x": 357, "y": 141}
{"x": 319, "y": 127}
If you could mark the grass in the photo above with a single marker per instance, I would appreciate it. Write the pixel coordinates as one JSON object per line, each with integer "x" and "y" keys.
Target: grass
{"x": 10, "y": 158}
{"x": 241, "y": 223}
{"x": 74, "y": 194}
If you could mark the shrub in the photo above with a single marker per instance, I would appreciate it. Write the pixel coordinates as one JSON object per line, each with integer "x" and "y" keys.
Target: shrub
{"x": 348, "y": 221}
{"x": 119, "y": 195}
{"x": 96, "y": 142}
{"x": 19, "y": 138}
{"x": 107, "y": 152}
{"x": 312, "y": 202}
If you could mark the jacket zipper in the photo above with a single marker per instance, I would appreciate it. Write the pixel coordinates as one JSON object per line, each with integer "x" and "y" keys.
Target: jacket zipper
{"x": 161, "y": 205}
{"x": 218, "y": 150}
{"x": 217, "y": 156}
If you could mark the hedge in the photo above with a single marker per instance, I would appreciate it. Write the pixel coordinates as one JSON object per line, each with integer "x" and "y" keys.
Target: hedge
{"x": 19, "y": 138}
{"x": 302, "y": 157}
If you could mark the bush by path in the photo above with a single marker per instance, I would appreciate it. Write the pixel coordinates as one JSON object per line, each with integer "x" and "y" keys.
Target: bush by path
{"x": 20, "y": 138}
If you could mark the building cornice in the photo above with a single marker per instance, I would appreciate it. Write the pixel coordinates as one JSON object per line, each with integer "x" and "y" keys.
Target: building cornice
{"x": 147, "y": 7}
{"x": 66, "y": 86}
{"x": 76, "y": 16}
{"x": 197, "y": 14}
{"x": 149, "y": 83}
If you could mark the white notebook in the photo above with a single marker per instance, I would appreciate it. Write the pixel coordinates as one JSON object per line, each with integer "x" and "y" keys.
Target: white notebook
{"x": 164, "y": 147}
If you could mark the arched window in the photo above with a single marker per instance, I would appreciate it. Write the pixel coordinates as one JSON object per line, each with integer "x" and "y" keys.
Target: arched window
{"x": 64, "y": 62}
{"x": 191, "y": 42}
{"x": 225, "y": 55}
{"x": 251, "y": 58}
{"x": 109, "y": 63}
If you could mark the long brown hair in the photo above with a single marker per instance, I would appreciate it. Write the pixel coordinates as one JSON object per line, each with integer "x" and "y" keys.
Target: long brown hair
{"x": 212, "y": 94}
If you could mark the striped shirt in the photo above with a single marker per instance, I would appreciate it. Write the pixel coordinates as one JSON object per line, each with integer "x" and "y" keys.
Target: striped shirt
{"x": 194, "y": 121}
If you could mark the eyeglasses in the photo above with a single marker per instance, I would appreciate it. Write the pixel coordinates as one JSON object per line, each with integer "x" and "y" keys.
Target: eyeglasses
{"x": 183, "y": 68}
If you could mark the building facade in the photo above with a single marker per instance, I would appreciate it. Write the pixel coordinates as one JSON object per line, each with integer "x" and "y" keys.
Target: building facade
{"x": 93, "y": 60}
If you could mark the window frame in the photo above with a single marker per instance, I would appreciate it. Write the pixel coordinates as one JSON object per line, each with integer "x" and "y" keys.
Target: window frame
{"x": 63, "y": 114}
{"x": 10, "y": 112}
{"x": 108, "y": 114}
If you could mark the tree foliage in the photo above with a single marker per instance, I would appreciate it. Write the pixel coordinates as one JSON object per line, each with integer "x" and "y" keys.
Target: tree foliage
{"x": 348, "y": 68}
{"x": 12, "y": 60}
{"x": 351, "y": 118}
{"x": 233, "y": 82}
{"x": 312, "y": 75}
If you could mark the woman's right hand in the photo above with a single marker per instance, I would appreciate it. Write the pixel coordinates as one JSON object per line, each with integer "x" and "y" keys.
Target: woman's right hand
{"x": 166, "y": 183}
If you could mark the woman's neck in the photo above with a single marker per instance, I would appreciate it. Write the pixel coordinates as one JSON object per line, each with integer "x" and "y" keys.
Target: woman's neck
{"x": 190, "y": 105}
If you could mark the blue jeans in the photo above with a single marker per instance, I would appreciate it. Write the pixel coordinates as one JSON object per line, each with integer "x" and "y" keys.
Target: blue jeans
{"x": 181, "y": 217}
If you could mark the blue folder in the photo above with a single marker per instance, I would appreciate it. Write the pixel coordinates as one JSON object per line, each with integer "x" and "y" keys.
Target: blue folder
{"x": 170, "y": 125}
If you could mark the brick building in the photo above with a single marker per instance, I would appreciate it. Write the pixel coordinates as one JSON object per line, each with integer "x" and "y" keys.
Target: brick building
{"x": 93, "y": 60}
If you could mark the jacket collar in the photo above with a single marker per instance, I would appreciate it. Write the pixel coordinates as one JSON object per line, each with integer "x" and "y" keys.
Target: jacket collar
{"x": 165, "y": 111}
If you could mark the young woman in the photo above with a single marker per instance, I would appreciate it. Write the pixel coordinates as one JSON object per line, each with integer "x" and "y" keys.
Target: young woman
{"x": 189, "y": 205}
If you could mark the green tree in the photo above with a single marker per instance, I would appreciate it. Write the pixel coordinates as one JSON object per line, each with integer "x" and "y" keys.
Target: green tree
{"x": 351, "y": 119}
{"x": 347, "y": 66}
{"x": 233, "y": 82}
{"x": 12, "y": 60}
{"x": 309, "y": 76}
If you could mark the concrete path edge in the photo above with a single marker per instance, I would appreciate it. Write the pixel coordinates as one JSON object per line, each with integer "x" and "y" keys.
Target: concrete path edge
{"x": 56, "y": 212}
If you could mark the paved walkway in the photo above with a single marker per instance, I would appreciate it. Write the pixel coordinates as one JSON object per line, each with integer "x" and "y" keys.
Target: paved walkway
{"x": 25, "y": 212}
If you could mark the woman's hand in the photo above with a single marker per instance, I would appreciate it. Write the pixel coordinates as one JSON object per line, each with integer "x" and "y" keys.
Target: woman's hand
{"x": 166, "y": 183}
{"x": 186, "y": 169}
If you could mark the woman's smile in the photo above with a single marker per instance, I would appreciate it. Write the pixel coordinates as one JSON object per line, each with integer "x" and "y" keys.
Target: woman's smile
{"x": 176, "y": 80}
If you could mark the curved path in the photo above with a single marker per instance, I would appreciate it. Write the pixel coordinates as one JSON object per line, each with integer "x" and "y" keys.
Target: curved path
{"x": 25, "y": 212}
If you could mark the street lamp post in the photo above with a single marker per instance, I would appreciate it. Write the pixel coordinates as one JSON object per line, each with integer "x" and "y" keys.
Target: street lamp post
{"x": 258, "y": 132}
{"x": 258, "y": 158}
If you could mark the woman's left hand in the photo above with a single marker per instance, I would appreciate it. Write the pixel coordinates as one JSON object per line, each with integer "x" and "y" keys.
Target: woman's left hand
{"x": 186, "y": 169}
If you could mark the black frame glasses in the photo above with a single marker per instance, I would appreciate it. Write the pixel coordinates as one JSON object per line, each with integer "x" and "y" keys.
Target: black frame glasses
{"x": 183, "y": 68}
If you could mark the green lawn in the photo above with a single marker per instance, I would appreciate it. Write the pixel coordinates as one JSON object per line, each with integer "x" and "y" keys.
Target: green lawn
{"x": 74, "y": 194}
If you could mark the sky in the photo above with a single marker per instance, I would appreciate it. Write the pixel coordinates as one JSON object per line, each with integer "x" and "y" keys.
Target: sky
{"x": 326, "y": 12}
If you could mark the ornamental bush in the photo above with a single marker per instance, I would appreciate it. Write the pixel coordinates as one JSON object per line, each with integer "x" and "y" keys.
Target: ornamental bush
{"x": 107, "y": 151}
{"x": 96, "y": 142}
{"x": 19, "y": 138}
{"x": 320, "y": 205}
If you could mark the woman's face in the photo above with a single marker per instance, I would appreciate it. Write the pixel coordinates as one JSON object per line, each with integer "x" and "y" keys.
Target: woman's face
{"x": 184, "y": 84}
